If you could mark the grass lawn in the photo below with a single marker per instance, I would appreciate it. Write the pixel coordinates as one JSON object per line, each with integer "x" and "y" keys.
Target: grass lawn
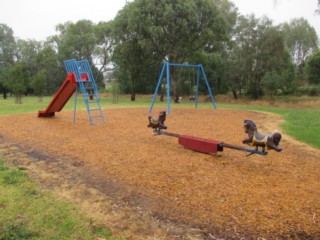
{"x": 26, "y": 212}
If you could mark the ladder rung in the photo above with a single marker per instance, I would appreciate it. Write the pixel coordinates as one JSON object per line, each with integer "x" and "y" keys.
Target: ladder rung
{"x": 96, "y": 123}
{"x": 94, "y": 109}
{"x": 88, "y": 100}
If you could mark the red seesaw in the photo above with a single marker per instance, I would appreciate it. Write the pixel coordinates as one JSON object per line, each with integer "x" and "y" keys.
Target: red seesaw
{"x": 207, "y": 145}
{"x": 256, "y": 139}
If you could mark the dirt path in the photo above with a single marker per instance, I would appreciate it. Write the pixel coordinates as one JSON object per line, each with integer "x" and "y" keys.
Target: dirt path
{"x": 149, "y": 187}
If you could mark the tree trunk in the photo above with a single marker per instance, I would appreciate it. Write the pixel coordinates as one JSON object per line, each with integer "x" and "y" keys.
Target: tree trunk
{"x": 235, "y": 96}
{"x": 175, "y": 85}
{"x": 18, "y": 99}
{"x": 162, "y": 86}
{"x": 133, "y": 90}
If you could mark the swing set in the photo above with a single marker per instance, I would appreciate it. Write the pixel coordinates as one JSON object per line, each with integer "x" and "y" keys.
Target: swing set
{"x": 166, "y": 72}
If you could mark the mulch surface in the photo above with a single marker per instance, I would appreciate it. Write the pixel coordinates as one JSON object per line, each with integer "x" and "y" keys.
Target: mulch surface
{"x": 224, "y": 195}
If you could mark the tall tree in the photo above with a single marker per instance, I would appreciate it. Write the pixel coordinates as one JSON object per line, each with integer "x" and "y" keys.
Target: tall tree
{"x": 169, "y": 30}
{"x": 26, "y": 53}
{"x": 76, "y": 40}
{"x": 258, "y": 50}
{"x": 301, "y": 39}
{"x": 17, "y": 80}
{"x": 47, "y": 61}
{"x": 104, "y": 48}
{"x": 7, "y": 52}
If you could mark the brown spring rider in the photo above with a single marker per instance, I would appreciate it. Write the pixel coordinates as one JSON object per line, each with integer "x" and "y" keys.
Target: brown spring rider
{"x": 266, "y": 141}
{"x": 158, "y": 123}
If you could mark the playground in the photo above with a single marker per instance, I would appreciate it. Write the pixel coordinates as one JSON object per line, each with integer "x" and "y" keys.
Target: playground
{"x": 205, "y": 196}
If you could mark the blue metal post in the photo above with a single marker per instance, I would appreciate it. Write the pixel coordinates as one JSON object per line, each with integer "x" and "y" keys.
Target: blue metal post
{"x": 166, "y": 66}
{"x": 75, "y": 104}
{"x": 157, "y": 88}
{"x": 168, "y": 86}
{"x": 197, "y": 89}
{"x": 205, "y": 78}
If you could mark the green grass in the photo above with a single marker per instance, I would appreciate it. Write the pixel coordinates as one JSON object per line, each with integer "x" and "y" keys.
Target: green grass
{"x": 28, "y": 213}
{"x": 31, "y": 104}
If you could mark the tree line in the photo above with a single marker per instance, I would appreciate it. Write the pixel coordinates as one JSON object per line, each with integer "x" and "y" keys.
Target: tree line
{"x": 244, "y": 55}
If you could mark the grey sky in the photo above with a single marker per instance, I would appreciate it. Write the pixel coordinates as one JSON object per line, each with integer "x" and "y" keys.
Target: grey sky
{"x": 36, "y": 19}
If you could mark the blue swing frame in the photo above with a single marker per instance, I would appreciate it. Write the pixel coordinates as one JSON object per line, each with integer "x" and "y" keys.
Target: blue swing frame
{"x": 166, "y": 70}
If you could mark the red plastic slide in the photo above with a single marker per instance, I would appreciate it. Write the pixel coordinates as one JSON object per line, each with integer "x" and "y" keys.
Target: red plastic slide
{"x": 61, "y": 97}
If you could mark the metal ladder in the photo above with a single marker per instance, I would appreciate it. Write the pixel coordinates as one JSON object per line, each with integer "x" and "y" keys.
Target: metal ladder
{"x": 88, "y": 88}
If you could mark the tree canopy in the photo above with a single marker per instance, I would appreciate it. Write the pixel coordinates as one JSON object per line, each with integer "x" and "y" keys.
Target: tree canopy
{"x": 150, "y": 30}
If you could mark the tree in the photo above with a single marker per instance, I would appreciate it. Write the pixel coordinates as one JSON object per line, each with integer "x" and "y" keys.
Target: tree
{"x": 104, "y": 49}
{"x": 313, "y": 67}
{"x": 167, "y": 31}
{"x": 47, "y": 61}
{"x": 7, "y": 52}
{"x": 132, "y": 52}
{"x": 258, "y": 49}
{"x": 38, "y": 84}
{"x": 16, "y": 81}
{"x": 26, "y": 53}
{"x": 301, "y": 39}
{"x": 76, "y": 40}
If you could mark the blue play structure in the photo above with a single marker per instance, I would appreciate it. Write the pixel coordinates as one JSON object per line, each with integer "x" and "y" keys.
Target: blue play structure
{"x": 166, "y": 70}
{"x": 87, "y": 86}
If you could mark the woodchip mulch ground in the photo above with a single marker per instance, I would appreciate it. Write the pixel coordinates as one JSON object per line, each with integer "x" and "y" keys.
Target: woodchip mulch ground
{"x": 223, "y": 195}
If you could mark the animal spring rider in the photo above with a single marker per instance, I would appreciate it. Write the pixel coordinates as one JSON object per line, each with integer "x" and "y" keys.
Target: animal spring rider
{"x": 158, "y": 123}
{"x": 255, "y": 139}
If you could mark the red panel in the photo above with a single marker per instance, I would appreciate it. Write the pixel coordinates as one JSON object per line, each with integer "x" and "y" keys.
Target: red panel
{"x": 200, "y": 144}
{"x": 84, "y": 77}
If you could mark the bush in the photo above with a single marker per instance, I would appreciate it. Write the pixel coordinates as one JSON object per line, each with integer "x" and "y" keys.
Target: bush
{"x": 310, "y": 90}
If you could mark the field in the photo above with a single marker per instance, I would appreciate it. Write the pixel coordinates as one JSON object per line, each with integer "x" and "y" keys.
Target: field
{"x": 149, "y": 187}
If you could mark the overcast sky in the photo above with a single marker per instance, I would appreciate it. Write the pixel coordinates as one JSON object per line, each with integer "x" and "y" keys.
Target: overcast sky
{"x": 36, "y": 19}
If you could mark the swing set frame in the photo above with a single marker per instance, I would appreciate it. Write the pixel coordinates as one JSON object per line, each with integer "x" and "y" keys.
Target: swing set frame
{"x": 166, "y": 70}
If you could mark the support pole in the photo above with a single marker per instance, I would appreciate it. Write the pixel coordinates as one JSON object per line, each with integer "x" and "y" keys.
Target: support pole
{"x": 166, "y": 69}
{"x": 197, "y": 89}
{"x": 75, "y": 104}
{"x": 168, "y": 87}
{"x": 157, "y": 88}
{"x": 209, "y": 89}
